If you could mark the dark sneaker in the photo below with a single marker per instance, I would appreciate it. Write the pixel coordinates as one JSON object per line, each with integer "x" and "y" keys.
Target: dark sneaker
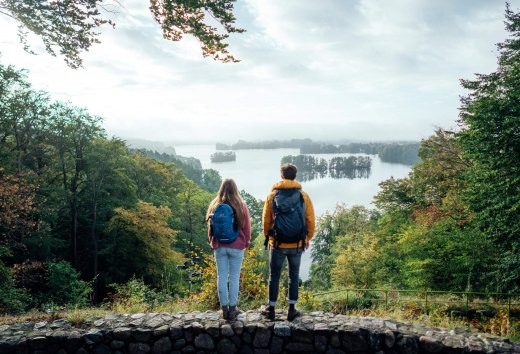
{"x": 268, "y": 312}
{"x": 292, "y": 314}
{"x": 225, "y": 312}
{"x": 233, "y": 313}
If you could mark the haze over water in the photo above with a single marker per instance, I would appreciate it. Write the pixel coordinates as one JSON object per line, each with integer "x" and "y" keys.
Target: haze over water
{"x": 255, "y": 171}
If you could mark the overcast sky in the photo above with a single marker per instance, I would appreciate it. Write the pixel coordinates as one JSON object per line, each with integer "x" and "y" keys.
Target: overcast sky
{"x": 342, "y": 69}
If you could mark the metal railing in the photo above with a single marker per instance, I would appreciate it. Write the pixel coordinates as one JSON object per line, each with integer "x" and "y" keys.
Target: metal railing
{"x": 430, "y": 298}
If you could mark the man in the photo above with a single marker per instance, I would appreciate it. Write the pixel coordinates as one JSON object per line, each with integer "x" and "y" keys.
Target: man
{"x": 288, "y": 223}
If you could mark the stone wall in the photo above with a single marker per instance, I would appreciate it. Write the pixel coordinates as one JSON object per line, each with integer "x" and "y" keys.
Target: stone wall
{"x": 206, "y": 332}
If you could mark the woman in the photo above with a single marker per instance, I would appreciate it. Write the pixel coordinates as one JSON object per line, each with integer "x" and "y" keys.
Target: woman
{"x": 229, "y": 256}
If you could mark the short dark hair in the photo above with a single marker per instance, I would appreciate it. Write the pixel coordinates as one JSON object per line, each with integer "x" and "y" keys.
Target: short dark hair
{"x": 288, "y": 171}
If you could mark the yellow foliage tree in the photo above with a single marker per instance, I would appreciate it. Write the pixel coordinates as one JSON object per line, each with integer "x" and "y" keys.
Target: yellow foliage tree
{"x": 145, "y": 241}
{"x": 357, "y": 265}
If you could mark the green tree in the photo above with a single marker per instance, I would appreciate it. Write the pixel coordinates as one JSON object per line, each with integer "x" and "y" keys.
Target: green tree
{"x": 334, "y": 234}
{"x": 71, "y": 27}
{"x": 143, "y": 244}
{"x": 490, "y": 138}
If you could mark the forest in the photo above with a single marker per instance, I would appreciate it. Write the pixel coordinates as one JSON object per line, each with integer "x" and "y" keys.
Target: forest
{"x": 85, "y": 220}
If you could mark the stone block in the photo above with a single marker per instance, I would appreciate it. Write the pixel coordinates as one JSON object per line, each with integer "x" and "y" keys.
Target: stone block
{"x": 430, "y": 344}
{"x": 226, "y": 346}
{"x": 139, "y": 348}
{"x": 204, "y": 341}
{"x": 262, "y": 336}
{"x": 299, "y": 347}
{"x": 276, "y": 345}
{"x": 320, "y": 343}
{"x": 162, "y": 345}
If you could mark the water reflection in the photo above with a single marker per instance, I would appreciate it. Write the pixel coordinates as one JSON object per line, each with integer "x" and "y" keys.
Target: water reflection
{"x": 306, "y": 176}
{"x": 310, "y": 168}
{"x": 351, "y": 174}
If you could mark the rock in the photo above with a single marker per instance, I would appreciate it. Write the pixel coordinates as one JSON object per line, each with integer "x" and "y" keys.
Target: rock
{"x": 299, "y": 347}
{"x": 238, "y": 327}
{"x": 262, "y": 337}
{"x": 389, "y": 339}
{"x": 407, "y": 345}
{"x": 102, "y": 349}
{"x": 117, "y": 344}
{"x": 281, "y": 329}
{"x": 138, "y": 348}
{"x": 227, "y": 331}
{"x": 320, "y": 343}
{"x": 142, "y": 334}
{"x": 37, "y": 342}
{"x": 74, "y": 341}
{"x": 99, "y": 323}
{"x": 162, "y": 345}
{"x": 353, "y": 341}
{"x": 93, "y": 337}
{"x": 455, "y": 342}
{"x": 276, "y": 345}
{"x": 226, "y": 346}
{"x": 160, "y": 331}
{"x": 176, "y": 331}
{"x": 137, "y": 316}
{"x": 155, "y": 322}
{"x": 430, "y": 344}
{"x": 37, "y": 325}
{"x": 179, "y": 344}
{"x": 334, "y": 340}
{"x": 59, "y": 324}
{"x": 204, "y": 341}
{"x": 122, "y": 333}
{"x": 212, "y": 328}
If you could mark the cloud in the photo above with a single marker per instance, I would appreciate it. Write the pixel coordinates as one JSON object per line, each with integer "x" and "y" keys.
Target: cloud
{"x": 351, "y": 69}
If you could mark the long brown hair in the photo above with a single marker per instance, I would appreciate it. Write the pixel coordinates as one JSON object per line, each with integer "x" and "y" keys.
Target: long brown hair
{"x": 228, "y": 193}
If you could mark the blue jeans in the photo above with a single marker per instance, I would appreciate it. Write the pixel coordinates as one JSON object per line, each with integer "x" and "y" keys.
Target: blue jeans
{"x": 229, "y": 263}
{"x": 277, "y": 257}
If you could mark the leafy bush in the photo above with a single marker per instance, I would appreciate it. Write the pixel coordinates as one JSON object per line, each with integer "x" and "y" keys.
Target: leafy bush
{"x": 136, "y": 296}
{"x": 65, "y": 286}
{"x": 12, "y": 299}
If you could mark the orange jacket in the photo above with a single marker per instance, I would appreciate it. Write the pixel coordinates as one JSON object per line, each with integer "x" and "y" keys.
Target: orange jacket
{"x": 268, "y": 214}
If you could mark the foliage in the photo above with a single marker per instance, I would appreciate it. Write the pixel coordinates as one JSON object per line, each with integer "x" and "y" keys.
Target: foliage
{"x": 490, "y": 139}
{"x": 400, "y": 153}
{"x": 255, "y": 207}
{"x": 66, "y": 287}
{"x": 17, "y": 210}
{"x": 71, "y": 27}
{"x": 334, "y": 234}
{"x": 12, "y": 299}
{"x": 144, "y": 241}
{"x": 135, "y": 296}
{"x": 220, "y": 156}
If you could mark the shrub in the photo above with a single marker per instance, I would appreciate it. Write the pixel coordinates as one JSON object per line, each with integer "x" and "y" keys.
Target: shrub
{"x": 136, "y": 296}
{"x": 12, "y": 299}
{"x": 65, "y": 286}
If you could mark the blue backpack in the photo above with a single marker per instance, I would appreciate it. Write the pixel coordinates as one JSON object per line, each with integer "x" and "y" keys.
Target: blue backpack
{"x": 224, "y": 226}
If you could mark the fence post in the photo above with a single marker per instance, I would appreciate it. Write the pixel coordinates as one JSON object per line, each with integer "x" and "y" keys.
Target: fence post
{"x": 467, "y": 301}
{"x": 426, "y": 302}
{"x": 347, "y": 301}
{"x": 386, "y": 298}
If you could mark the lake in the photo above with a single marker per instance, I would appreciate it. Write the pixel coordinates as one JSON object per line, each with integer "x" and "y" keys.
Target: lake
{"x": 255, "y": 171}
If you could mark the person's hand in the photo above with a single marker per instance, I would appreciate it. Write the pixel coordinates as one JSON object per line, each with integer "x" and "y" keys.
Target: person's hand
{"x": 307, "y": 243}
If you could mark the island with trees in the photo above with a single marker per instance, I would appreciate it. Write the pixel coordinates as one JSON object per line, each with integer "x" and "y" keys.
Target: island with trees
{"x": 223, "y": 156}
